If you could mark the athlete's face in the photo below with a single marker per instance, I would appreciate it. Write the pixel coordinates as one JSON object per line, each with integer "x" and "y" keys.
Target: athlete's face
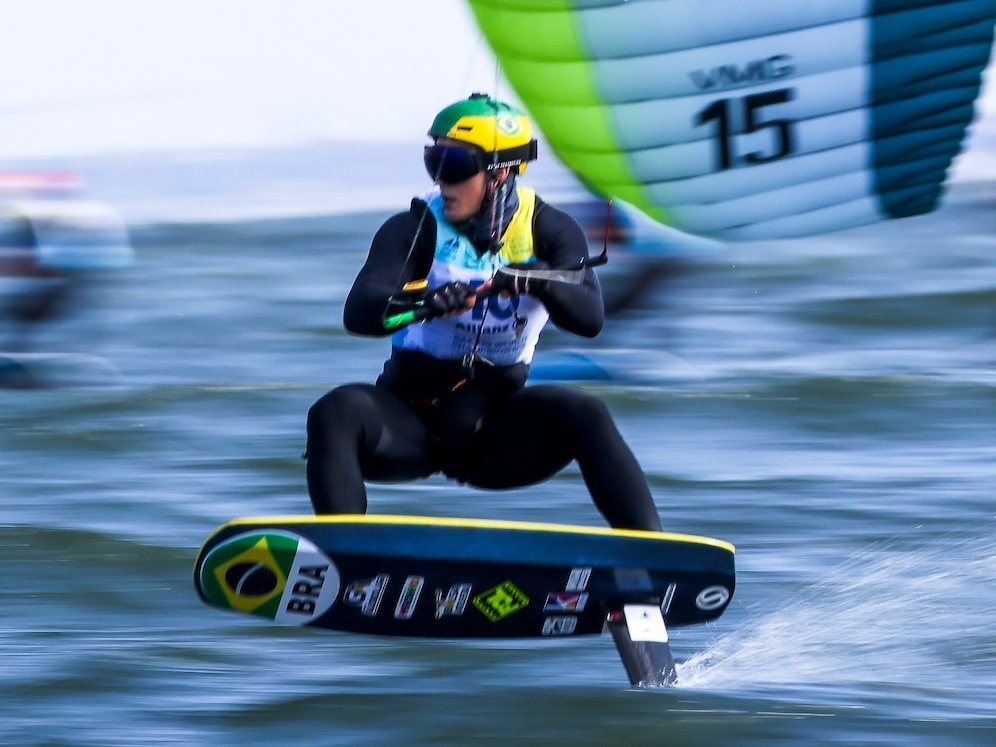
{"x": 462, "y": 199}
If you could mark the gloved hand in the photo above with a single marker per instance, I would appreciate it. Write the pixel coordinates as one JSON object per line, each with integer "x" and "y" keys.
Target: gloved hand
{"x": 514, "y": 285}
{"x": 451, "y": 297}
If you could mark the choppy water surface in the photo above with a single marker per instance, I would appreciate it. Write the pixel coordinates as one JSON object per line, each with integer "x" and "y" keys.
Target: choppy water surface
{"x": 827, "y": 405}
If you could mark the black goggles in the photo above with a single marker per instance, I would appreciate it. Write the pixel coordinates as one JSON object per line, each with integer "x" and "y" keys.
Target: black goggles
{"x": 452, "y": 164}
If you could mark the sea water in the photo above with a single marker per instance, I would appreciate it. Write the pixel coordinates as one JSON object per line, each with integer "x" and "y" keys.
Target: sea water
{"x": 828, "y": 405}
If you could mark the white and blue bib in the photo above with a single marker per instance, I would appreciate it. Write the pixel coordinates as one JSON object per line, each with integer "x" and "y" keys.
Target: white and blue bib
{"x": 497, "y": 322}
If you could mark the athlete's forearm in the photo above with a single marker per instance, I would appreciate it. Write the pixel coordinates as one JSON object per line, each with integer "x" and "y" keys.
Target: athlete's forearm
{"x": 389, "y": 265}
{"x": 574, "y": 307}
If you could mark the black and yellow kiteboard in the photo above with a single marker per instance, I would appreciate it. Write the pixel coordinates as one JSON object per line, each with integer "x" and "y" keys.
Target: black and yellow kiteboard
{"x": 462, "y": 578}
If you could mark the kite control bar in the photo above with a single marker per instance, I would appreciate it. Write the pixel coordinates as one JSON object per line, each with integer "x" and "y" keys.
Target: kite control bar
{"x": 422, "y": 312}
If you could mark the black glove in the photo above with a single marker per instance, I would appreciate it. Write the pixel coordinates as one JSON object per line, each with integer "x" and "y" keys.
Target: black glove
{"x": 449, "y": 298}
{"x": 514, "y": 285}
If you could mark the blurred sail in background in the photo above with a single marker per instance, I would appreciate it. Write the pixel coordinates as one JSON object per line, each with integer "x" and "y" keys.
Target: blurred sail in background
{"x": 750, "y": 120}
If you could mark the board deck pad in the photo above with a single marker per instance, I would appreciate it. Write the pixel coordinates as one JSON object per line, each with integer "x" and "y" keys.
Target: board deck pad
{"x": 457, "y": 578}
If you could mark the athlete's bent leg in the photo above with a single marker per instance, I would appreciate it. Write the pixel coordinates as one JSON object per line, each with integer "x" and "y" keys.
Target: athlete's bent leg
{"x": 357, "y": 432}
{"x": 540, "y": 429}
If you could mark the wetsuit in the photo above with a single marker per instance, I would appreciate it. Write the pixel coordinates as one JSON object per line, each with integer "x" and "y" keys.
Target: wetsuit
{"x": 479, "y": 425}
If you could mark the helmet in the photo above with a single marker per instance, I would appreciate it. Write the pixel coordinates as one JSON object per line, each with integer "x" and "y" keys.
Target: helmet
{"x": 503, "y": 132}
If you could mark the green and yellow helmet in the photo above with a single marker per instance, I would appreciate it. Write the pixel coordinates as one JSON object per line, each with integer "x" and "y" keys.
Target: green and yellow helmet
{"x": 503, "y": 132}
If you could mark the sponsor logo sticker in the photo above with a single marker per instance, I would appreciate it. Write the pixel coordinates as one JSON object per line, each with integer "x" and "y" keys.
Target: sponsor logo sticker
{"x": 507, "y": 124}
{"x": 455, "y": 601}
{"x": 560, "y": 625}
{"x": 645, "y": 622}
{"x": 270, "y": 573}
{"x": 565, "y": 601}
{"x": 668, "y": 598}
{"x": 410, "y": 593}
{"x": 578, "y": 580}
{"x": 712, "y": 598}
{"x": 367, "y": 594}
{"x": 501, "y": 601}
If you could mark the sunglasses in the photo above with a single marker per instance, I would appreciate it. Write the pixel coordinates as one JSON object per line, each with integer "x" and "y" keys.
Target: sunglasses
{"x": 452, "y": 164}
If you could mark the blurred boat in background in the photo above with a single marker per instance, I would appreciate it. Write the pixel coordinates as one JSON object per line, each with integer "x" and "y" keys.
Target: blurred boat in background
{"x": 53, "y": 241}
{"x": 50, "y": 238}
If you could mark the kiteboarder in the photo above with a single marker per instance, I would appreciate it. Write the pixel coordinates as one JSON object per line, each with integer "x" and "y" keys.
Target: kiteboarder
{"x": 481, "y": 265}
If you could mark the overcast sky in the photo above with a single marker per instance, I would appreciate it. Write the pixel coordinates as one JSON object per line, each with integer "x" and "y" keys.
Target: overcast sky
{"x": 91, "y": 75}
{"x": 109, "y": 75}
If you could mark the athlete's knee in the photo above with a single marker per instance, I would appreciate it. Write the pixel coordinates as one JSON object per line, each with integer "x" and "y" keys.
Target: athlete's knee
{"x": 339, "y": 406}
{"x": 586, "y": 412}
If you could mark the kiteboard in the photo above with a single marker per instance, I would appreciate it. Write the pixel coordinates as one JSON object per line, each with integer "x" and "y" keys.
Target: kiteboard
{"x": 461, "y": 578}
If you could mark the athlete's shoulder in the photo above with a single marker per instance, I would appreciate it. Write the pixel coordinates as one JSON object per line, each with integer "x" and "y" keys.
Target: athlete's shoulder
{"x": 552, "y": 214}
{"x": 405, "y": 226}
{"x": 550, "y": 222}
{"x": 416, "y": 214}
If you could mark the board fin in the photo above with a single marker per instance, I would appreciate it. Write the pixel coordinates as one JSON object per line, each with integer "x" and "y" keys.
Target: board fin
{"x": 641, "y": 638}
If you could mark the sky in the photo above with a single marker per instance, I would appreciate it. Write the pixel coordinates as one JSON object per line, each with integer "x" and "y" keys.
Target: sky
{"x": 95, "y": 76}
{"x": 92, "y": 75}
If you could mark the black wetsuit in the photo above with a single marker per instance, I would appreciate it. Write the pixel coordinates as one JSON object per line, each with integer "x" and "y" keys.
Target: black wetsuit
{"x": 426, "y": 415}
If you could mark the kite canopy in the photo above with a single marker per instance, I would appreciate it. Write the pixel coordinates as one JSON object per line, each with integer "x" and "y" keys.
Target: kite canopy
{"x": 744, "y": 120}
